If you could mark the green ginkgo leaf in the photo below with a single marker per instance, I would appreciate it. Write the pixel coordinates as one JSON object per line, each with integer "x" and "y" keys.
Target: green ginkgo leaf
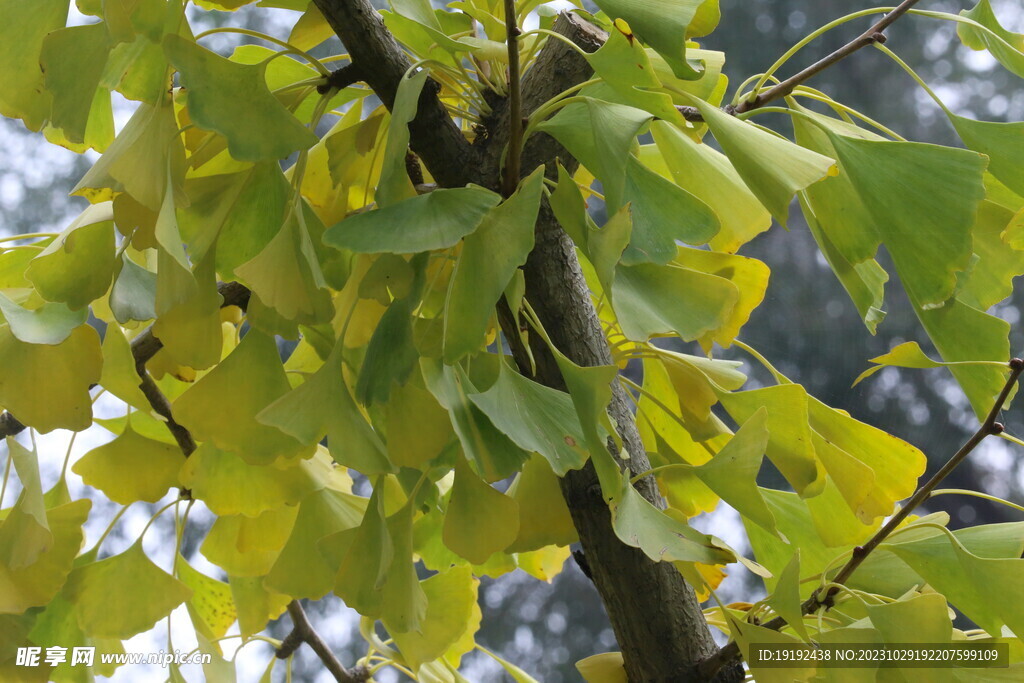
{"x": 51, "y": 323}
{"x": 537, "y": 418}
{"x": 133, "y": 294}
{"x": 218, "y": 88}
{"x": 662, "y": 24}
{"x": 231, "y": 486}
{"x": 661, "y": 537}
{"x": 436, "y": 220}
{"x": 25, "y": 534}
{"x": 394, "y": 184}
{"x": 480, "y": 520}
{"x": 652, "y": 300}
{"x": 922, "y": 200}
{"x": 663, "y": 213}
{"x": 38, "y": 583}
{"x": 905, "y": 355}
{"x": 249, "y": 546}
{"x": 989, "y": 278}
{"x": 217, "y": 408}
{"x": 772, "y": 167}
{"x": 138, "y": 160}
{"x": 255, "y": 605}
{"x": 74, "y": 82}
{"x": 732, "y": 472}
{"x": 362, "y": 555}
{"x": 494, "y": 454}
{"x": 188, "y": 312}
{"x": 711, "y": 177}
{"x": 1007, "y": 47}
{"x": 600, "y": 135}
{"x": 46, "y": 386}
{"x": 418, "y": 428}
{"x": 451, "y": 598}
{"x": 403, "y": 602}
{"x": 131, "y": 468}
{"x": 322, "y": 405}
{"x": 1002, "y": 143}
{"x": 78, "y": 265}
{"x": 25, "y": 25}
{"x": 489, "y": 257}
{"x": 301, "y": 570}
{"x": 104, "y": 609}
{"x": 120, "y": 376}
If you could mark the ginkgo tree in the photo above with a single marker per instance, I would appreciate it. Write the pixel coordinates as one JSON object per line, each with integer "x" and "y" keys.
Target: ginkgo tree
{"x": 460, "y": 321}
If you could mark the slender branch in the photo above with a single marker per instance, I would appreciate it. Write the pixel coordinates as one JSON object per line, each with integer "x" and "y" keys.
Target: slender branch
{"x": 872, "y": 35}
{"x": 988, "y": 428}
{"x": 512, "y": 170}
{"x": 145, "y": 346}
{"x": 303, "y": 632}
{"x": 162, "y": 406}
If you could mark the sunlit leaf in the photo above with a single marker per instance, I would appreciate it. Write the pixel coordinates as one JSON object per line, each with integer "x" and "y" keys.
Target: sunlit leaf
{"x": 1002, "y": 143}
{"x": 211, "y": 602}
{"x": 607, "y": 667}
{"x": 544, "y": 518}
{"x": 48, "y": 324}
{"x": 218, "y": 88}
{"x": 480, "y": 519}
{"x": 451, "y": 596}
{"x": 131, "y": 468}
{"x": 662, "y": 24}
{"x": 74, "y": 82}
{"x": 249, "y": 546}
{"x": 25, "y": 25}
{"x": 105, "y": 609}
{"x": 77, "y": 266}
{"x": 1008, "y": 47}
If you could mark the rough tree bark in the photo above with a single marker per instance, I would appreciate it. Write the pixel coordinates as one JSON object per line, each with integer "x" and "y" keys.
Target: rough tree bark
{"x": 654, "y": 612}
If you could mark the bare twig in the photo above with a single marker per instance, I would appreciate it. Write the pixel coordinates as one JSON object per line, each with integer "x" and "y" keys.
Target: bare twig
{"x": 872, "y": 35}
{"x": 511, "y": 172}
{"x": 303, "y": 632}
{"x": 145, "y": 346}
{"x": 988, "y": 428}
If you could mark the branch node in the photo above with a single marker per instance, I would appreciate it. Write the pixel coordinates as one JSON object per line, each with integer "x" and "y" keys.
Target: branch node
{"x": 878, "y": 37}
{"x": 1016, "y": 363}
{"x": 340, "y": 78}
{"x": 996, "y": 428}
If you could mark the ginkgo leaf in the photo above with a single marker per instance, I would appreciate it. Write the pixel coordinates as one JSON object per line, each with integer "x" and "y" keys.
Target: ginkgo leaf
{"x": 1002, "y": 143}
{"x": 211, "y": 603}
{"x": 51, "y": 323}
{"x": 601, "y": 135}
{"x": 436, "y": 220}
{"x": 73, "y": 83}
{"x": 772, "y": 167}
{"x": 789, "y": 442}
{"x": 133, "y": 294}
{"x": 104, "y": 609}
{"x": 301, "y": 570}
{"x": 188, "y": 312}
{"x": 786, "y": 598}
{"x": 661, "y": 537}
{"x": 1007, "y": 47}
{"x": 403, "y": 601}
{"x": 361, "y": 573}
{"x": 25, "y": 534}
{"x": 451, "y": 597}
{"x": 994, "y": 265}
{"x": 36, "y": 584}
{"x": 987, "y": 590}
{"x": 215, "y": 408}
{"x": 544, "y": 564}
{"x": 920, "y": 618}
{"x": 928, "y": 236}
{"x": 607, "y": 667}
{"x": 255, "y": 605}
{"x": 662, "y": 213}
{"x": 131, "y": 468}
{"x": 732, "y": 472}
{"x": 418, "y": 428}
{"x": 78, "y": 265}
{"x": 25, "y": 25}
{"x": 652, "y": 300}
{"x": 322, "y": 405}
{"x": 231, "y": 486}
{"x": 46, "y": 386}
{"x": 249, "y": 546}
{"x": 394, "y": 184}
{"x": 119, "y": 375}
{"x": 489, "y": 257}
{"x": 711, "y": 177}
{"x": 662, "y": 24}
{"x": 494, "y": 454}
{"x": 537, "y": 418}
{"x": 905, "y": 355}
{"x": 138, "y": 160}
{"x": 218, "y": 88}
{"x": 544, "y": 518}
{"x": 480, "y": 520}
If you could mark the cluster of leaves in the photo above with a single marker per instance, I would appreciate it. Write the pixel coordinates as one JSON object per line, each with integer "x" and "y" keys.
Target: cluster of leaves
{"x": 388, "y": 290}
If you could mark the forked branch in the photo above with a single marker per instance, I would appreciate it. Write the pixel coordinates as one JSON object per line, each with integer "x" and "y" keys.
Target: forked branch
{"x": 303, "y": 632}
{"x": 823, "y": 597}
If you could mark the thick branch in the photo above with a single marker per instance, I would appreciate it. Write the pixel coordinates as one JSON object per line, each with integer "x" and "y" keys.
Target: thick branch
{"x": 872, "y": 35}
{"x": 145, "y": 346}
{"x": 382, "y": 64}
{"x": 817, "y": 600}
{"x": 303, "y": 632}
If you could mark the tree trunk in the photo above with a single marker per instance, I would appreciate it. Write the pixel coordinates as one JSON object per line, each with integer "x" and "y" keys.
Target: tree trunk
{"x": 653, "y": 611}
